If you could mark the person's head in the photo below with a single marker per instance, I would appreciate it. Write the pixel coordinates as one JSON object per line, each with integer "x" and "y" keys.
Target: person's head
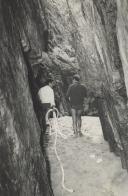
{"x": 50, "y": 82}
{"x": 76, "y": 78}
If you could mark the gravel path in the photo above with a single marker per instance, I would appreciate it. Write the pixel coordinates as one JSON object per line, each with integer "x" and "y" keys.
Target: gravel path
{"x": 90, "y": 169}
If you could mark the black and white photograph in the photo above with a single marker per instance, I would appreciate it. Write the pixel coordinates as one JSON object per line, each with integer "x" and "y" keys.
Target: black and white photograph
{"x": 63, "y": 97}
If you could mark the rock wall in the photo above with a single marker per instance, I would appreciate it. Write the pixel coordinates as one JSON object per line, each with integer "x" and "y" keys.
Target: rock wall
{"x": 58, "y": 38}
{"x": 122, "y": 30}
{"x": 22, "y": 165}
{"x": 86, "y": 31}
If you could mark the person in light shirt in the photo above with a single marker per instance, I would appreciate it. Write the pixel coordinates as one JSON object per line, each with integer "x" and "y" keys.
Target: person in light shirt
{"x": 47, "y": 99}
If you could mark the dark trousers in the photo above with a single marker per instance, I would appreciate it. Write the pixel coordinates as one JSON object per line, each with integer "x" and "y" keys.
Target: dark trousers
{"x": 44, "y": 108}
{"x": 44, "y": 138}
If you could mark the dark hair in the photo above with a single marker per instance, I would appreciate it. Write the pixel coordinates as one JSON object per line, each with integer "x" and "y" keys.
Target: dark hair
{"x": 76, "y": 77}
{"x": 49, "y": 80}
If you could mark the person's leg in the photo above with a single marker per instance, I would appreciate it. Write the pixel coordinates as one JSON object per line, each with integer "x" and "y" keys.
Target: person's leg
{"x": 45, "y": 108}
{"x": 79, "y": 121}
{"x": 74, "y": 120}
{"x": 43, "y": 119}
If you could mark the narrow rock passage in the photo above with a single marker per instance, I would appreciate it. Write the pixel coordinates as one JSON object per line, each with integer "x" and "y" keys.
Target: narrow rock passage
{"x": 90, "y": 169}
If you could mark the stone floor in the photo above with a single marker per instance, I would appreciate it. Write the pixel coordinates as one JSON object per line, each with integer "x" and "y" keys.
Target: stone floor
{"x": 90, "y": 169}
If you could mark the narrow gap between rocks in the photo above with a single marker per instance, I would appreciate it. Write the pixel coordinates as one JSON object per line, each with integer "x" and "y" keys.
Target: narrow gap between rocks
{"x": 88, "y": 164}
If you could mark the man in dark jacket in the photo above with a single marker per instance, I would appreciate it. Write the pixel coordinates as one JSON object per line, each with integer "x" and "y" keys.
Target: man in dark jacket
{"x": 76, "y": 94}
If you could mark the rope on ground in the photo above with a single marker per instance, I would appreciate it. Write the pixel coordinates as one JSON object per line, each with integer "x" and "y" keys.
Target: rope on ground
{"x": 58, "y": 131}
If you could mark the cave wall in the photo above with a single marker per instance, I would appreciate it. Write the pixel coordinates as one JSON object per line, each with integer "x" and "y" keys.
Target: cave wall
{"x": 22, "y": 165}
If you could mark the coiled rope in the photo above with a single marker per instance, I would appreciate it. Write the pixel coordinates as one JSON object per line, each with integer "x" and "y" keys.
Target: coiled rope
{"x": 56, "y": 132}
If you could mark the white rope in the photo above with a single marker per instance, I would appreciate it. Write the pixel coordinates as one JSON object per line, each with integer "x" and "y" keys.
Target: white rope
{"x": 58, "y": 131}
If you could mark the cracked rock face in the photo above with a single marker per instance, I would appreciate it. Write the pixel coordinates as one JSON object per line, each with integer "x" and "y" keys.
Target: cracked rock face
{"x": 93, "y": 31}
{"x": 122, "y": 30}
{"x": 22, "y": 165}
{"x": 58, "y": 38}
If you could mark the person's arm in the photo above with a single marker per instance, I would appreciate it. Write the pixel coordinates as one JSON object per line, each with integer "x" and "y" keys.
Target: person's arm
{"x": 85, "y": 95}
{"x": 52, "y": 98}
{"x": 39, "y": 95}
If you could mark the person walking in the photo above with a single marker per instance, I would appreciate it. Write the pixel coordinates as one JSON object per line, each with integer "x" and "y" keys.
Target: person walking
{"x": 75, "y": 95}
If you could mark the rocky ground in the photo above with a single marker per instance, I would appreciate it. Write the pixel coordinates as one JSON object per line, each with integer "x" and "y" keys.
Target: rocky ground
{"x": 90, "y": 169}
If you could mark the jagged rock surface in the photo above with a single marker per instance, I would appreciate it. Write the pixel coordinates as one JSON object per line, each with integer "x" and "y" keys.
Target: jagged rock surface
{"x": 22, "y": 165}
{"x": 58, "y": 38}
{"x": 122, "y": 20}
{"x": 88, "y": 28}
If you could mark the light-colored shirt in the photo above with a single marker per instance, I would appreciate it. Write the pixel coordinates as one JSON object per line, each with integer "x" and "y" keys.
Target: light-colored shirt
{"x": 46, "y": 95}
